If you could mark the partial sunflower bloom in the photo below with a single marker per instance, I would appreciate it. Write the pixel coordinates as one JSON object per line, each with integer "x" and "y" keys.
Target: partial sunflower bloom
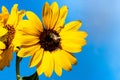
{"x": 8, "y": 23}
{"x": 51, "y": 43}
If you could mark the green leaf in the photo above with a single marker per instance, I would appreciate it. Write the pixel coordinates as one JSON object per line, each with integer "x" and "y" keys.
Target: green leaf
{"x": 32, "y": 77}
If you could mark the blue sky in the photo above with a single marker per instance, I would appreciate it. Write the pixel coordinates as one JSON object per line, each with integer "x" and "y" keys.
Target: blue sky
{"x": 99, "y": 59}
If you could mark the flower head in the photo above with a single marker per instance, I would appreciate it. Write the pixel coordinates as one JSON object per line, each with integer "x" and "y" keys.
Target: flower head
{"x": 8, "y": 23}
{"x": 51, "y": 43}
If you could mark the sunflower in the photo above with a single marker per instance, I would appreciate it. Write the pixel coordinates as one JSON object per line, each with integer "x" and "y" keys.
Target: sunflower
{"x": 52, "y": 43}
{"x": 8, "y": 23}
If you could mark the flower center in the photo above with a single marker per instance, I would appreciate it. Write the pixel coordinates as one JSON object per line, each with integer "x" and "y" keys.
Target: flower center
{"x": 7, "y": 38}
{"x": 49, "y": 40}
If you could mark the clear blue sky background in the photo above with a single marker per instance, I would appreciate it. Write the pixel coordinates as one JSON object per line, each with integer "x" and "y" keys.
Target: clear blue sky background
{"x": 100, "y": 58}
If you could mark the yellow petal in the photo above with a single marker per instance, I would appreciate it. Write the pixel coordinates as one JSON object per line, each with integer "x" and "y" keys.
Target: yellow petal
{"x": 57, "y": 67}
{"x": 36, "y": 58}
{"x": 74, "y": 39}
{"x": 70, "y": 57}
{"x": 46, "y": 15}
{"x": 71, "y": 34}
{"x": 54, "y": 7}
{"x": 49, "y": 64}
{"x": 21, "y": 15}
{"x": 17, "y": 39}
{"x": 2, "y": 45}
{"x": 62, "y": 60}
{"x": 46, "y": 65}
{"x": 72, "y": 26}
{"x": 28, "y": 51}
{"x": 3, "y": 31}
{"x": 40, "y": 67}
{"x": 61, "y": 20}
{"x": 26, "y": 27}
{"x": 55, "y": 14}
{"x": 13, "y": 18}
{"x": 71, "y": 47}
{"x": 4, "y": 10}
{"x": 28, "y": 40}
{"x": 5, "y": 14}
{"x": 33, "y": 18}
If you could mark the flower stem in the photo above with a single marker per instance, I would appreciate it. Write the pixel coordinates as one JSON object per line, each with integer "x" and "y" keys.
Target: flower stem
{"x": 18, "y": 59}
{"x": 31, "y": 77}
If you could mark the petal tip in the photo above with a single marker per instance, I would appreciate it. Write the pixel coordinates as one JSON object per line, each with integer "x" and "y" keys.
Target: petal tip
{"x": 46, "y": 3}
{"x": 30, "y": 65}
{"x": 59, "y": 75}
{"x": 3, "y": 7}
{"x": 15, "y": 5}
{"x": 55, "y": 3}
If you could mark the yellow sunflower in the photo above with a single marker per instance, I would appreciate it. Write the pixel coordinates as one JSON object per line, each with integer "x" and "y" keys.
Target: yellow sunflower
{"x": 52, "y": 43}
{"x": 8, "y": 23}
